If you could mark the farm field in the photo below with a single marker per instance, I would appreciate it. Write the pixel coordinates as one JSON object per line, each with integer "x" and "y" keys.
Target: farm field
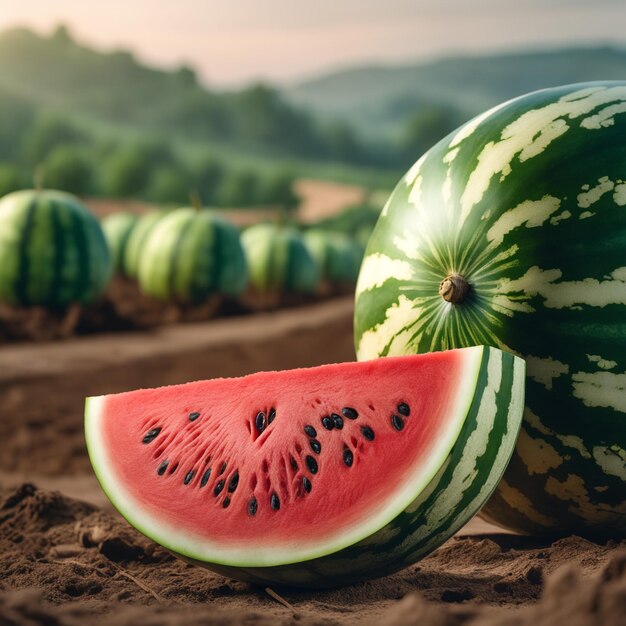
{"x": 76, "y": 558}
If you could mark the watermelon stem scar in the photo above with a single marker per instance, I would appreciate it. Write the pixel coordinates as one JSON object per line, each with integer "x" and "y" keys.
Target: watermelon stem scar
{"x": 454, "y": 288}
{"x": 312, "y": 477}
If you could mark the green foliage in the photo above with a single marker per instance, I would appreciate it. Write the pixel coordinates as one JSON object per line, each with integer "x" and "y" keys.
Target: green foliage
{"x": 343, "y": 144}
{"x": 113, "y": 88}
{"x": 208, "y": 175}
{"x": 133, "y": 123}
{"x": 16, "y": 115}
{"x": 358, "y": 221}
{"x": 278, "y": 190}
{"x": 263, "y": 118}
{"x": 128, "y": 171}
{"x": 426, "y": 127}
{"x": 240, "y": 189}
{"x": 126, "y": 174}
{"x": 47, "y": 133}
{"x": 68, "y": 169}
{"x": 11, "y": 179}
{"x": 379, "y": 101}
{"x": 169, "y": 185}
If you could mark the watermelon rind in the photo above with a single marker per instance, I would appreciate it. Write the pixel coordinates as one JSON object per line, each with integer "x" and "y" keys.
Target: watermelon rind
{"x": 436, "y": 499}
{"x": 527, "y": 202}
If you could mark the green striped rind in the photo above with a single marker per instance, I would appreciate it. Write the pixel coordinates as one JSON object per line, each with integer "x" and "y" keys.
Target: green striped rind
{"x": 191, "y": 254}
{"x": 137, "y": 240}
{"x": 278, "y": 260}
{"x": 337, "y": 255}
{"x": 52, "y": 250}
{"x": 528, "y": 203}
{"x": 117, "y": 229}
{"x": 459, "y": 489}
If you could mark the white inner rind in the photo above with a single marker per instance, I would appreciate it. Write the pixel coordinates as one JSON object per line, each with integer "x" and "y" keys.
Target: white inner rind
{"x": 254, "y": 554}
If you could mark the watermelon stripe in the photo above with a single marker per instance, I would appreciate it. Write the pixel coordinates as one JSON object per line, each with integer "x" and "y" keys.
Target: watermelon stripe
{"x": 175, "y": 254}
{"x": 218, "y": 256}
{"x": 60, "y": 244}
{"x": 80, "y": 241}
{"x": 20, "y": 287}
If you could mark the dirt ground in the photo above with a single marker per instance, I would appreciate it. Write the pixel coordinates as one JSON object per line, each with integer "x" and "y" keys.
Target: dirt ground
{"x": 67, "y": 559}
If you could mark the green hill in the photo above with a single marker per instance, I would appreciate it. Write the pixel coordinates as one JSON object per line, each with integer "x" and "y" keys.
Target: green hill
{"x": 152, "y": 132}
{"x": 59, "y": 73}
{"x": 379, "y": 101}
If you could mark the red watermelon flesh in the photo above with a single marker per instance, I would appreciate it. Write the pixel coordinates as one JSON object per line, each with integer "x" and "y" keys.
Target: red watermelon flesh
{"x": 244, "y": 472}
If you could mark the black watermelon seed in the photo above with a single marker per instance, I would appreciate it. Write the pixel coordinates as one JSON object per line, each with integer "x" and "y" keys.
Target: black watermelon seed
{"x": 226, "y": 502}
{"x": 272, "y": 416}
{"x": 205, "y": 477}
{"x": 161, "y": 469}
{"x": 349, "y": 412}
{"x": 222, "y": 469}
{"x": 404, "y": 409}
{"x": 397, "y": 422}
{"x": 234, "y": 481}
{"x": 151, "y": 435}
{"x": 294, "y": 465}
{"x": 218, "y": 488}
{"x": 306, "y": 483}
{"x": 252, "y": 506}
{"x": 275, "y": 502}
{"x": 189, "y": 477}
{"x": 316, "y": 446}
{"x": 337, "y": 421}
{"x": 348, "y": 458}
{"x": 311, "y": 463}
{"x": 259, "y": 421}
{"x": 310, "y": 431}
{"x": 193, "y": 416}
{"x": 327, "y": 423}
{"x": 368, "y": 433}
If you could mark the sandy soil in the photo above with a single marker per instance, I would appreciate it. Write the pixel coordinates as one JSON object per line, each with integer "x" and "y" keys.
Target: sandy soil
{"x": 321, "y": 198}
{"x": 43, "y": 386}
{"x": 67, "y": 559}
{"x": 66, "y": 562}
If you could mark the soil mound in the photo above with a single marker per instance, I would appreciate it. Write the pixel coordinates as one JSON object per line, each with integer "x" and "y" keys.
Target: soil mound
{"x": 67, "y": 563}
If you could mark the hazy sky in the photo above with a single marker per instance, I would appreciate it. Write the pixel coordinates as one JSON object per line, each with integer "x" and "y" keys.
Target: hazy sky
{"x": 233, "y": 41}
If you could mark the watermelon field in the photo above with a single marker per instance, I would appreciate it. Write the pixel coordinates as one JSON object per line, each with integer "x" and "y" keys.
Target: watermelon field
{"x": 159, "y": 323}
{"x": 251, "y": 373}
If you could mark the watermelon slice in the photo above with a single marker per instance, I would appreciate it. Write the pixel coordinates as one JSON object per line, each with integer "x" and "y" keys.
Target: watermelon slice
{"x": 312, "y": 477}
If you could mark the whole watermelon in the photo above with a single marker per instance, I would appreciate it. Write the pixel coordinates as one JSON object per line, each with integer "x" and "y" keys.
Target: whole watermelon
{"x": 191, "y": 254}
{"x": 338, "y": 256}
{"x": 52, "y": 250}
{"x": 511, "y": 232}
{"x": 279, "y": 261}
